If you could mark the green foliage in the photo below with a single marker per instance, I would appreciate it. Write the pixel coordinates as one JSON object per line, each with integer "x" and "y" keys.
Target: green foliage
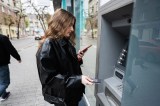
{"x": 26, "y": 23}
{"x": 47, "y": 16}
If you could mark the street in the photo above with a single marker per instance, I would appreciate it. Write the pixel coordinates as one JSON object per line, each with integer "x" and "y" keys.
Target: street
{"x": 25, "y": 87}
{"x": 23, "y": 42}
{"x": 89, "y": 66}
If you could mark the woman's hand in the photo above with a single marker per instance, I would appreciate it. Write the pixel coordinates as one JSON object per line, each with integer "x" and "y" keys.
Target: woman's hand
{"x": 80, "y": 55}
{"x": 86, "y": 80}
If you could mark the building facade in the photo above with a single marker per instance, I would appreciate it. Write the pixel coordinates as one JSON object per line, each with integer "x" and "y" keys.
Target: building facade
{"x": 92, "y": 19}
{"x": 35, "y": 24}
{"x": 9, "y": 10}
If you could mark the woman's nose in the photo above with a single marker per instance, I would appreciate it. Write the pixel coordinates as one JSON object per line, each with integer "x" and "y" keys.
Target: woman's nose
{"x": 72, "y": 28}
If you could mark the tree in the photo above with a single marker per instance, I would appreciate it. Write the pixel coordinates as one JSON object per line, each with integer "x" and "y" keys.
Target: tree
{"x": 41, "y": 14}
{"x": 91, "y": 21}
{"x": 20, "y": 14}
{"x": 48, "y": 16}
{"x": 26, "y": 23}
{"x": 9, "y": 21}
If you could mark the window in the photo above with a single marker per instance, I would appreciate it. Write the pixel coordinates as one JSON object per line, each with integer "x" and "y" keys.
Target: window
{"x": 0, "y": 31}
{"x": 12, "y": 31}
{"x": 14, "y": 3}
{"x": 3, "y": 9}
{"x": 90, "y": 1}
{"x": 9, "y": 11}
{"x": 7, "y": 32}
{"x": 8, "y": 3}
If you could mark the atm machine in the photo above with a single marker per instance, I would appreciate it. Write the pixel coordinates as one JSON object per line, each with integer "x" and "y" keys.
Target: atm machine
{"x": 115, "y": 25}
{"x": 125, "y": 43}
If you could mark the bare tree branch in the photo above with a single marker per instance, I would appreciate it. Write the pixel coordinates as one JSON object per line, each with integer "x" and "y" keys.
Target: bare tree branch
{"x": 40, "y": 14}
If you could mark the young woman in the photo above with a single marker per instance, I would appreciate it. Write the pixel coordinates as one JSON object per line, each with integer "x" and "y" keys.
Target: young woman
{"x": 59, "y": 65}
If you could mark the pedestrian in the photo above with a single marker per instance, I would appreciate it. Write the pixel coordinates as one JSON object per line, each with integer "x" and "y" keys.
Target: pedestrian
{"x": 6, "y": 49}
{"x": 58, "y": 64}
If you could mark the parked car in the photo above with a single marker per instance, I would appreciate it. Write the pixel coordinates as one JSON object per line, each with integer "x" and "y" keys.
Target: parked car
{"x": 39, "y": 33}
{"x": 38, "y": 37}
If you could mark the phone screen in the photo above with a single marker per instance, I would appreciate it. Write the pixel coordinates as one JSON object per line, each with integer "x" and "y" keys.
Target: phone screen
{"x": 85, "y": 49}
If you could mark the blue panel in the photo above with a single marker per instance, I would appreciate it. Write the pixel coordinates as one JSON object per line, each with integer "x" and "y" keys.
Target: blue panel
{"x": 64, "y": 6}
{"x": 77, "y": 15}
{"x": 78, "y": 12}
{"x": 82, "y": 17}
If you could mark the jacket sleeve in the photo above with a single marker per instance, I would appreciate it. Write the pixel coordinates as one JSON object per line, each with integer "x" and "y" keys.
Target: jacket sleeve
{"x": 48, "y": 64}
{"x": 10, "y": 48}
{"x": 74, "y": 81}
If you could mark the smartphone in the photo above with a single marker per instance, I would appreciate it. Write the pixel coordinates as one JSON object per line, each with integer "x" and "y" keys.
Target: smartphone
{"x": 85, "y": 49}
{"x": 97, "y": 81}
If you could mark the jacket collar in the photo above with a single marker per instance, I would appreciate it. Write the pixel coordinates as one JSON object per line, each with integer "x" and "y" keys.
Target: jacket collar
{"x": 64, "y": 41}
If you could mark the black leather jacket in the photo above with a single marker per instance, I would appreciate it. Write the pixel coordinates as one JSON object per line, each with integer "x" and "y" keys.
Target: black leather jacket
{"x": 59, "y": 71}
{"x": 7, "y": 49}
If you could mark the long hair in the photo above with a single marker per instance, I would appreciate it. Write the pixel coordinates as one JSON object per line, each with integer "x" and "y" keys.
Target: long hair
{"x": 59, "y": 23}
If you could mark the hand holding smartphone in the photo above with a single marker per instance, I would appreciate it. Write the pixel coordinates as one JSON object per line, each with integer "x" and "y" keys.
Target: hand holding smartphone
{"x": 85, "y": 49}
{"x": 81, "y": 52}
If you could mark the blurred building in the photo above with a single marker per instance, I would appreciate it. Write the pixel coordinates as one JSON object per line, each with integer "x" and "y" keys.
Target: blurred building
{"x": 92, "y": 19}
{"x": 9, "y": 10}
{"x": 35, "y": 27}
{"x": 33, "y": 24}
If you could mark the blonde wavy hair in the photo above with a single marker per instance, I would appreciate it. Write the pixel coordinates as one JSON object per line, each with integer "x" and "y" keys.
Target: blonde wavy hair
{"x": 59, "y": 23}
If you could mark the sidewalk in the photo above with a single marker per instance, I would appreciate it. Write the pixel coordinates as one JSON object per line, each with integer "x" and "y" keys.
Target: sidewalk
{"x": 89, "y": 65}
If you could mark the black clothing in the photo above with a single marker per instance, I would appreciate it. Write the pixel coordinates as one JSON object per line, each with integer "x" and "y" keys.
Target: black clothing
{"x": 7, "y": 49}
{"x": 59, "y": 72}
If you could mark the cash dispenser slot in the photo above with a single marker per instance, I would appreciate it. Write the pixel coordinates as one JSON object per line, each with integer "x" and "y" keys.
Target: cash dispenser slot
{"x": 113, "y": 89}
{"x": 119, "y": 75}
